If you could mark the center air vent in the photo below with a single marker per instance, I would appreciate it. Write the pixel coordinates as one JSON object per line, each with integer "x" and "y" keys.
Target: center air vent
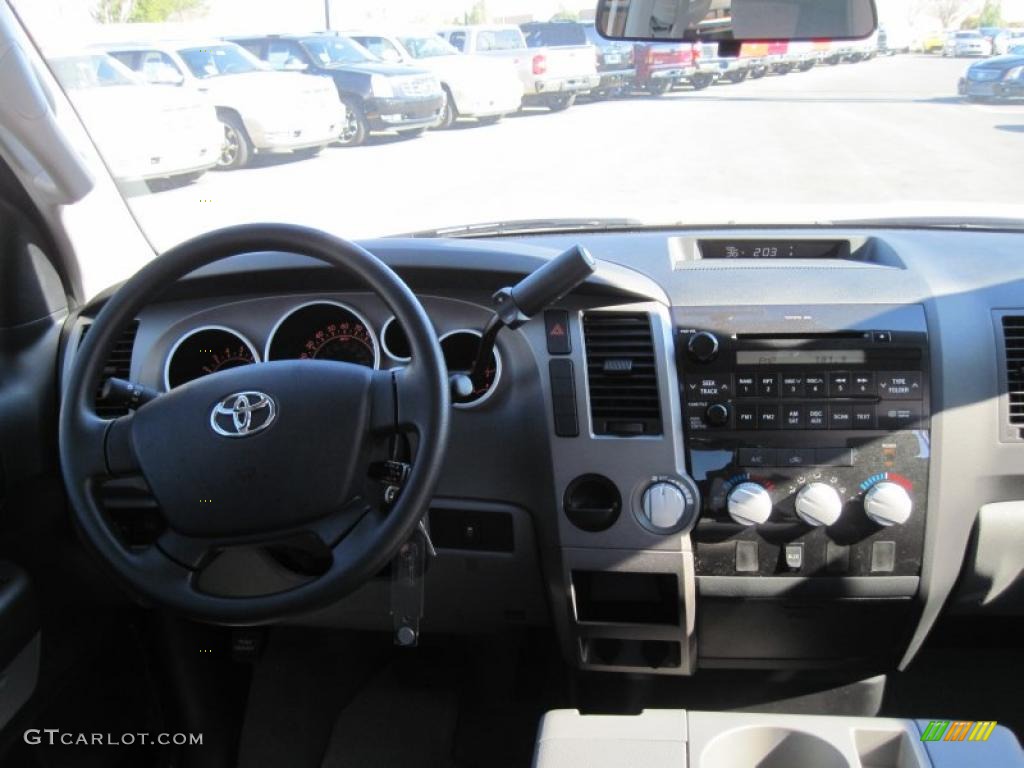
{"x": 118, "y": 365}
{"x": 621, "y": 373}
{"x": 1013, "y": 338}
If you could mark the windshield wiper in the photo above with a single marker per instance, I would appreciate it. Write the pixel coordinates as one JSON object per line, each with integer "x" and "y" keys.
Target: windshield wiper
{"x": 530, "y": 227}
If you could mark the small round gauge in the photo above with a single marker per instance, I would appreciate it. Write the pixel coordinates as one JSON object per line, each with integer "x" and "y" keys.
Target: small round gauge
{"x": 395, "y": 342}
{"x": 324, "y": 330}
{"x": 460, "y": 350}
{"x": 204, "y": 351}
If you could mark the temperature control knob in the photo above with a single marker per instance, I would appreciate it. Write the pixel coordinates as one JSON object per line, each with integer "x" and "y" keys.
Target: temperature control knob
{"x": 703, "y": 347}
{"x": 668, "y": 506}
{"x": 888, "y": 504}
{"x": 819, "y": 504}
{"x": 750, "y": 504}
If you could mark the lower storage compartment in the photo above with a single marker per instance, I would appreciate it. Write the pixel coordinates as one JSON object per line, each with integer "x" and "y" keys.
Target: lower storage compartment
{"x": 793, "y": 632}
{"x": 641, "y": 654}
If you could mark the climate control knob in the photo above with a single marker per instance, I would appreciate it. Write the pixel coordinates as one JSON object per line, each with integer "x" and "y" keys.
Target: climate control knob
{"x": 703, "y": 347}
{"x": 750, "y": 504}
{"x": 819, "y": 504}
{"x": 888, "y": 504}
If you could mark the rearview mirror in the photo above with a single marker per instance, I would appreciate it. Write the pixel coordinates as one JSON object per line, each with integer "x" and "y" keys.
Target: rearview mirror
{"x": 760, "y": 20}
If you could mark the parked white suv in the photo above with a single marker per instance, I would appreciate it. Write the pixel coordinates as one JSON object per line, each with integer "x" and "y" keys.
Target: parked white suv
{"x": 261, "y": 110}
{"x": 143, "y": 133}
{"x": 474, "y": 86}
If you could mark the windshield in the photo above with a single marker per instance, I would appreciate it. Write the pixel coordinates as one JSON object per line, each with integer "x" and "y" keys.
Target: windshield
{"x": 901, "y": 128}
{"x": 90, "y": 71}
{"x": 336, "y": 50}
{"x": 427, "y": 46}
{"x": 217, "y": 60}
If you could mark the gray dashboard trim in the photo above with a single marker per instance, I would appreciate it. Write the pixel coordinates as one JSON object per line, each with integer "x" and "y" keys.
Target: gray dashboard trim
{"x": 807, "y": 587}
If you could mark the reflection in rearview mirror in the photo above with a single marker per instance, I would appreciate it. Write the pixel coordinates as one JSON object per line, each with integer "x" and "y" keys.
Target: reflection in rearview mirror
{"x": 692, "y": 20}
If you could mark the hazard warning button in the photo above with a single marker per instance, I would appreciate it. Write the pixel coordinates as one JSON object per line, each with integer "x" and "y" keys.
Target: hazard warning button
{"x": 556, "y": 326}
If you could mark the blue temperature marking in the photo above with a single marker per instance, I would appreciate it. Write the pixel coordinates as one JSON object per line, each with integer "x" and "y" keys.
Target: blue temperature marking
{"x": 876, "y": 478}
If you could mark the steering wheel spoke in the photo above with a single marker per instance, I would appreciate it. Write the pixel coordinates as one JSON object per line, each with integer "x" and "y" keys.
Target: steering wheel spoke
{"x": 119, "y": 448}
{"x": 189, "y": 552}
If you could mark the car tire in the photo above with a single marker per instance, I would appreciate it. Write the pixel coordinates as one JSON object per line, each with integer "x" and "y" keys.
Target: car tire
{"x": 659, "y": 87}
{"x": 490, "y": 119}
{"x": 236, "y": 151}
{"x": 356, "y": 129}
{"x": 758, "y": 72}
{"x": 700, "y": 82}
{"x": 737, "y": 76}
{"x": 807, "y": 66}
{"x": 561, "y": 102}
{"x": 449, "y": 114}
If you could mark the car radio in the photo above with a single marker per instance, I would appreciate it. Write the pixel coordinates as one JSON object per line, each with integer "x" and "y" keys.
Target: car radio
{"x": 807, "y": 432}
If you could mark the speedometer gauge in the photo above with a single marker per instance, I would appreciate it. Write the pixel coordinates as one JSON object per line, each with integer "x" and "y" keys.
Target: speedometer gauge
{"x": 204, "y": 351}
{"x": 324, "y": 330}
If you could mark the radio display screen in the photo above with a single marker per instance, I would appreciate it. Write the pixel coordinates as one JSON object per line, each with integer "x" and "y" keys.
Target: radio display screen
{"x": 801, "y": 357}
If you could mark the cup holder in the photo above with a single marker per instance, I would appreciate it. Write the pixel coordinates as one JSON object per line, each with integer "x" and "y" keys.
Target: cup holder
{"x": 770, "y": 747}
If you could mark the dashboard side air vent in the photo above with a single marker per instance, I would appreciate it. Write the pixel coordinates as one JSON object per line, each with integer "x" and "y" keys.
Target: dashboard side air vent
{"x": 119, "y": 364}
{"x": 621, "y": 373}
{"x": 1012, "y": 327}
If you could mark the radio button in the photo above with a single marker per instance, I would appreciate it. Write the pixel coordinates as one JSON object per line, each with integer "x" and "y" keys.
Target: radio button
{"x": 839, "y": 384}
{"x": 840, "y": 417}
{"x": 768, "y": 417}
{"x": 900, "y": 385}
{"x": 746, "y": 416}
{"x": 711, "y": 387}
{"x": 792, "y": 386}
{"x": 863, "y": 417}
{"x": 792, "y": 416}
{"x": 816, "y": 386}
{"x": 746, "y": 385}
{"x": 757, "y": 457}
{"x": 768, "y": 385}
{"x": 864, "y": 384}
{"x": 817, "y": 417}
{"x": 898, "y": 415}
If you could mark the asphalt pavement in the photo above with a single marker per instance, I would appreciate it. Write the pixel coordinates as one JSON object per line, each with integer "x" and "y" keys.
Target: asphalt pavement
{"x": 883, "y": 137}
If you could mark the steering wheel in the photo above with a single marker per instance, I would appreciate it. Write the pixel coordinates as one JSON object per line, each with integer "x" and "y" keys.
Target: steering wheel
{"x": 258, "y": 454}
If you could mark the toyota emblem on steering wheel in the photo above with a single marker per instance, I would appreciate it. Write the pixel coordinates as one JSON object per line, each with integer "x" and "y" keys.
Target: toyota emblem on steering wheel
{"x": 243, "y": 414}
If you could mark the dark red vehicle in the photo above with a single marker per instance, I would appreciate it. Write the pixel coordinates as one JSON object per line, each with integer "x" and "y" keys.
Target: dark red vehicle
{"x": 662, "y": 66}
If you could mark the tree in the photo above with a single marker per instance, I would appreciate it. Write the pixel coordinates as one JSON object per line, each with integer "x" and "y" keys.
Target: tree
{"x": 475, "y": 15}
{"x": 120, "y": 11}
{"x": 950, "y": 12}
{"x": 991, "y": 14}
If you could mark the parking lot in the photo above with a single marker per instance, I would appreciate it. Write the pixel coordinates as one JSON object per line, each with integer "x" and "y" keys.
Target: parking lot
{"x": 882, "y": 137}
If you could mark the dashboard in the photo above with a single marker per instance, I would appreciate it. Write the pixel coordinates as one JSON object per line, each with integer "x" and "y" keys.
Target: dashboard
{"x": 748, "y": 449}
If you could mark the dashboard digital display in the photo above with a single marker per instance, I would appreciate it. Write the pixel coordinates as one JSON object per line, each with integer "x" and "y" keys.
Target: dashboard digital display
{"x": 801, "y": 357}
{"x": 774, "y": 249}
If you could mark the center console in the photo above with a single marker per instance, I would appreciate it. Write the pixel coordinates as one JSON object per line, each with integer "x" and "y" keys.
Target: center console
{"x": 807, "y": 433}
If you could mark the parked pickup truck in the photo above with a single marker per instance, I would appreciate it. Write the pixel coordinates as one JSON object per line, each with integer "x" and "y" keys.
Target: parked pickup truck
{"x": 616, "y": 65}
{"x": 473, "y": 86}
{"x": 260, "y": 110}
{"x": 731, "y": 69}
{"x": 552, "y": 77}
{"x": 378, "y": 96}
{"x": 143, "y": 132}
{"x": 660, "y": 67}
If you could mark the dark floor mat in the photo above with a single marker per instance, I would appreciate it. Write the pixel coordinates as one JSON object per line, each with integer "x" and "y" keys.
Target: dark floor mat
{"x": 395, "y": 723}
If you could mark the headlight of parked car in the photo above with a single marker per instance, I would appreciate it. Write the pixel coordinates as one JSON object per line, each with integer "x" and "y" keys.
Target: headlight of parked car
{"x": 381, "y": 87}
{"x": 1014, "y": 74}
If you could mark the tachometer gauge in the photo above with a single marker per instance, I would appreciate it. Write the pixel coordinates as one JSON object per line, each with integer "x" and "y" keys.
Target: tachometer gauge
{"x": 460, "y": 349}
{"x": 324, "y": 331}
{"x": 204, "y": 351}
